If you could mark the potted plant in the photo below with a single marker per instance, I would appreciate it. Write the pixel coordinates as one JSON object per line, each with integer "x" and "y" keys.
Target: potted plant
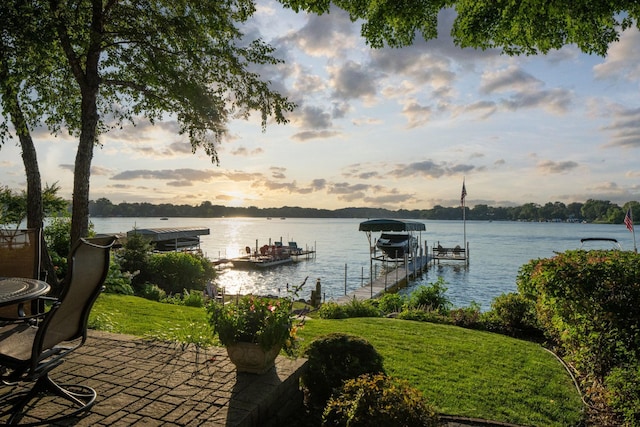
{"x": 254, "y": 330}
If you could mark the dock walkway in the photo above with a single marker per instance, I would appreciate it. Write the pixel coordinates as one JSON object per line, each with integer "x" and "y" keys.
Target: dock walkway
{"x": 391, "y": 280}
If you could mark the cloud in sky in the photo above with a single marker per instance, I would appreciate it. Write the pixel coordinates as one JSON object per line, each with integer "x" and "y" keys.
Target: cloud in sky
{"x": 380, "y": 127}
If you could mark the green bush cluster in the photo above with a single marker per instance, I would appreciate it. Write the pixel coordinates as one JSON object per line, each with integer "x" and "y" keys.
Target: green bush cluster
{"x": 334, "y": 358}
{"x": 588, "y": 302}
{"x": 512, "y": 314}
{"x": 391, "y": 302}
{"x": 175, "y": 271}
{"x": 117, "y": 281}
{"x": 623, "y": 385}
{"x": 378, "y": 400}
{"x": 428, "y": 303}
{"x": 431, "y": 298}
{"x": 152, "y": 292}
{"x": 156, "y": 275}
{"x": 353, "y": 308}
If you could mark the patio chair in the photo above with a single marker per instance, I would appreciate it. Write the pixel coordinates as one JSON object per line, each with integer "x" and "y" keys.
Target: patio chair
{"x": 29, "y": 353}
{"x": 20, "y": 253}
{"x": 20, "y": 257}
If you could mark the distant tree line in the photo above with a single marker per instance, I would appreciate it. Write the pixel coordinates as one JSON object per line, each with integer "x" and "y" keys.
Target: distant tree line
{"x": 601, "y": 211}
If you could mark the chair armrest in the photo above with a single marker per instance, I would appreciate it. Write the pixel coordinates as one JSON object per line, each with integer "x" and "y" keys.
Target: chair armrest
{"x": 37, "y": 310}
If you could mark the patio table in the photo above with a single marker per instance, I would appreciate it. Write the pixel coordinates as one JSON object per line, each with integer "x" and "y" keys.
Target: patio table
{"x": 16, "y": 290}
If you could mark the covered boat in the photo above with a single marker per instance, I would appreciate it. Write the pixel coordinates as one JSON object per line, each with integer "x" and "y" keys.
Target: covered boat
{"x": 396, "y": 245}
{"x": 397, "y": 238}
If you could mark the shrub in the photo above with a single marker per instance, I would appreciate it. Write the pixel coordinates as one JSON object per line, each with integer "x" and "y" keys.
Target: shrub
{"x": 175, "y": 271}
{"x": 431, "y": 297}
{"x": 378, "y": 400}
{"x": 359, "y": 308}
{"x": 335, "y": 358}
{"x": 193, "y": 298}
{"x": 134, "y": 258}
{"x": 513, "y": 314}
{"x": 117, "y": 282}
{"x": 422, "y": 316}
{"x": 466, "y": 317}
{"x": 332, "y": 310}
{"x": 623, "y": 385}
{"x": 57, "y": 235}
{"x": 391, "y": 302}
{"x": 587, "y": 301}
{"x": 152, "y": 292}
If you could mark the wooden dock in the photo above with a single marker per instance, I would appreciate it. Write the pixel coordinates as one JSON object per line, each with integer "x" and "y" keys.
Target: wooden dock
{"x": 390, "y": 281}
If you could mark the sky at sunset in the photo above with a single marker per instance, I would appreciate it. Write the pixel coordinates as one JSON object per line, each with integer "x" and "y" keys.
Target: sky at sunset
{"x": 392, "y": 128}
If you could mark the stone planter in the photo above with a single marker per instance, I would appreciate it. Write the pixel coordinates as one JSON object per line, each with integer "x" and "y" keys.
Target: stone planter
{"x": 252, "y": 358}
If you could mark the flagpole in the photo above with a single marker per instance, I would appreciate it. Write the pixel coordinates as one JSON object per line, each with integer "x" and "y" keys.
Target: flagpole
{"x": 633, "y": 230}
{"x": 464, "y": 216}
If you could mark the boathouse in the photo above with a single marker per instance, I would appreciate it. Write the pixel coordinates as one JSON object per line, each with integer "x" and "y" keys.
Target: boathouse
{"x": 172, "y": 239}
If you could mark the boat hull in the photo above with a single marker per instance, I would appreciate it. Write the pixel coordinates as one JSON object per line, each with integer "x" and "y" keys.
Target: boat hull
{"x": 396, "y": 245}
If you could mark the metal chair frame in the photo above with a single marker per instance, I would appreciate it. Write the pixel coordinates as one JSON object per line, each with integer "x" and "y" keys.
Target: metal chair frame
{"x": 29, "y": 353}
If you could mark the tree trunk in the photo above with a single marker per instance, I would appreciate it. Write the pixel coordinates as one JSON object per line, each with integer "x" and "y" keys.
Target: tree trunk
{"x": 88, "y": 79}
{"x": 35, "y": 208}
{"x": 82, "y": 172}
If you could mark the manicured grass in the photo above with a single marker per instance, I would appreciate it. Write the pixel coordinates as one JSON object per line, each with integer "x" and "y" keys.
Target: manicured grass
{"x": 141, "y": 317}
{"x": 463, "y": 372}
{"x": 469, "y": 373}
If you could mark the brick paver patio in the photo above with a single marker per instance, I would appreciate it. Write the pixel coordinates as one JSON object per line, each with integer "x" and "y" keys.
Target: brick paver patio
{"x": 143, "y": 383}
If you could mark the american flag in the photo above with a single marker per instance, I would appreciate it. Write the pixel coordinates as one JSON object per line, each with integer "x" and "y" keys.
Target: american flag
{"x": 628, "y": 220}
{"x": 464, "y": 194}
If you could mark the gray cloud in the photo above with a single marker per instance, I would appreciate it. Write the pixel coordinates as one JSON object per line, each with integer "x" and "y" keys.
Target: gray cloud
{"x": 625, "y": 127}
{"x": 311, "y": 117}
{"x": 319, "y": 184}
{"x": 175, "y": 175}
{"x": 308, "y": 135}
{"x": 430, "y": 169}
{"x": 511, "y": 79}
{"x": 623, "y": 58}
{"x": 526, "y": 92}
{"x": 245, "y": 152}
{"x": 180, "y": 183}
{"x": 277, "y": 172}
{"x": 416, "y": 114}
{"x": 549, "y": 166}
{"x": 346, "y": 188}
{"x": 353, "y": 81}
{"x": 556, "y": 100}
{"x": 95, "y": 170}
{"x": 323, "y": 35}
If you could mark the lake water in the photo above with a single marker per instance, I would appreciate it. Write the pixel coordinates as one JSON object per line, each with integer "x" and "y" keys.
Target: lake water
{"x": 497, "y": 250}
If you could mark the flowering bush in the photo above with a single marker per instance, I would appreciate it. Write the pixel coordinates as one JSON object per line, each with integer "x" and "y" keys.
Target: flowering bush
{"x": 265, "y": 321}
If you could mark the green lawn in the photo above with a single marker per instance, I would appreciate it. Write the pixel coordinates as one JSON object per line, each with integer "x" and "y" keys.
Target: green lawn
{"x": 463, "y": 372}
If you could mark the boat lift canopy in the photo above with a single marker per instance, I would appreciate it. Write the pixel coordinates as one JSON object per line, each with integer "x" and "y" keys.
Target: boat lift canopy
{"x": 391, "y": 225}
{"x": 169, "y": 239}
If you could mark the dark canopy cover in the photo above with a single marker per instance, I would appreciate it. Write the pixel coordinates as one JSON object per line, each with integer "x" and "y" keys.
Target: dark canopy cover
{"x": 391, "y": 225}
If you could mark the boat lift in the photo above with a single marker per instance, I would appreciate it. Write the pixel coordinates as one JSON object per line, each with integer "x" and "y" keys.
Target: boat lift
{"x": 417, "y": 256}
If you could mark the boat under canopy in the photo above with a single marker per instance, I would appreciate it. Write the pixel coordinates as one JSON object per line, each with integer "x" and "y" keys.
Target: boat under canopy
{"x": 171, "y": 239}
{"x": 396, "y": 245}
{"x": 397, "y": 239}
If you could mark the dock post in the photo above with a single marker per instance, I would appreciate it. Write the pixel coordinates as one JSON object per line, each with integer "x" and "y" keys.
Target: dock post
{"x": 467, "y": 260}
{"x": 386, "y": 274}
{"x": 316, "y": 295}
{"x": 406, "y": 267}
{"x": 345, "y": 278}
